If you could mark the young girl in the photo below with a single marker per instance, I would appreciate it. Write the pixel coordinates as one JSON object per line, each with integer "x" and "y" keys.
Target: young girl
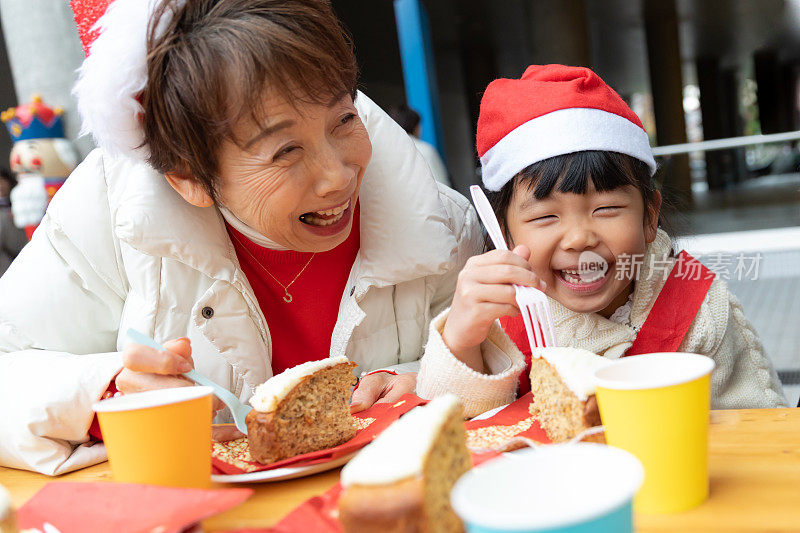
{"x": 570, "y": 175}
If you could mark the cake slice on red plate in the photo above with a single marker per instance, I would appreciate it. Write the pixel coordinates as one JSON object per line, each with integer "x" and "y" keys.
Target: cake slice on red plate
{"x": 303, "y": 409}
{"x": 563, "y": 387}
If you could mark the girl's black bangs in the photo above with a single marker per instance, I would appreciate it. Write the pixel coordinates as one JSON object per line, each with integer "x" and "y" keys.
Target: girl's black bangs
{"x": 570, "y": 173}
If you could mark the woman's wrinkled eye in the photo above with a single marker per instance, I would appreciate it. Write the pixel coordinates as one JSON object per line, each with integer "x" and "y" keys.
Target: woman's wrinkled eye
{"x": 283, "y": 152}
{"x": 346, "y": 119}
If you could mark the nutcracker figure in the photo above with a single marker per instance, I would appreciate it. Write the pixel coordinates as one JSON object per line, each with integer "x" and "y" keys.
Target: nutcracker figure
{"x": 41, "y": 157}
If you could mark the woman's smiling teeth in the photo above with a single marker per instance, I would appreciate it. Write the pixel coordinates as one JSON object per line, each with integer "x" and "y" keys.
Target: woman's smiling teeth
{"x": 325, "y": 217}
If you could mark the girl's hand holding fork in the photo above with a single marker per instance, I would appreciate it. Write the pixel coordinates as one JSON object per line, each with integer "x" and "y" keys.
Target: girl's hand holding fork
{"x": 484, "y": 293}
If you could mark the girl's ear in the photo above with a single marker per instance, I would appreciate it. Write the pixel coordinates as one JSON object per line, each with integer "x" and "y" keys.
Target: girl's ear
{"x": 190, "y": 189}
{"x": 651, "y": 217}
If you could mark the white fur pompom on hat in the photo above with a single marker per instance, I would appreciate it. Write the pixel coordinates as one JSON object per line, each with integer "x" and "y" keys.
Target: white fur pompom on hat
{"x": 114, "y": 72}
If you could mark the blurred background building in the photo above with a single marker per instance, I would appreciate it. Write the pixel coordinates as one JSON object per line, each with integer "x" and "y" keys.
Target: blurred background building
{"x": 694, "y": 70}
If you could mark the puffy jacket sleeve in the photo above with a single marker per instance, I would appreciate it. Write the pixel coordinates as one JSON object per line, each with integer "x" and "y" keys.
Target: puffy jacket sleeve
{"x": 60, "y": 307}
{"x": 470, "y": 242}
{"x": 468, "y": 233}
{"x": 394, "y": 153}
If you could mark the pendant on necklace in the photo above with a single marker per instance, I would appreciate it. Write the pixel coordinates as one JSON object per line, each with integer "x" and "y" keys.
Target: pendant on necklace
{"x": 288, "y": 297}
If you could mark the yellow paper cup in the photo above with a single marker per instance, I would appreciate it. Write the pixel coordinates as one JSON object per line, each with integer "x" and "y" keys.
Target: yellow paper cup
{"x": 656, "y": 406}
{"x": 160, "y": 437}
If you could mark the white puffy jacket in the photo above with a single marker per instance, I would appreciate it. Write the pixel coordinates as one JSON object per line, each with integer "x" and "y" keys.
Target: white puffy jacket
{"x": 119, "y": 248}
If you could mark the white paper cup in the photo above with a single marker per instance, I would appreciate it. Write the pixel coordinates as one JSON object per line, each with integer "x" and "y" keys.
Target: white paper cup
{"x": 578, "y": 488}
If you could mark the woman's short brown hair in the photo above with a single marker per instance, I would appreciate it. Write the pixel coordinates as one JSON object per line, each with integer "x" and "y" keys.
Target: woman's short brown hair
{"x": 210, "y": 64}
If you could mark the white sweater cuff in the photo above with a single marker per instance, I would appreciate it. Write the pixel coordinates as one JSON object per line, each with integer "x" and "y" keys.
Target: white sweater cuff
{"x": 441, "y": 372}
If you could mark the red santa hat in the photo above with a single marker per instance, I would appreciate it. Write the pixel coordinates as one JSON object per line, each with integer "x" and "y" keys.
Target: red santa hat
{"x": 553, "y": 110}
{"x": 114, "y": 73}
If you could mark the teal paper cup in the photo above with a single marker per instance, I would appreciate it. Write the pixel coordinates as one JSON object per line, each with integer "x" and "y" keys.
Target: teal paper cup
{"x": 564, "y": 488}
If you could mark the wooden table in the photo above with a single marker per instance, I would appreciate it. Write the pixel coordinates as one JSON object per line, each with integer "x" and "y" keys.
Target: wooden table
{"x": 754, "y": 469}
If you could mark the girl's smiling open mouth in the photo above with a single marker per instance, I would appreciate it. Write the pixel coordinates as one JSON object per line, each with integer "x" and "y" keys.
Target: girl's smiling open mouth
{"x": 584, "y": 280}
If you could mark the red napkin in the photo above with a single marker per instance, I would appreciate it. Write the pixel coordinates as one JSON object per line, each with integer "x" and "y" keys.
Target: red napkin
{"x": 123, "y": 507}
{"x": 320, "y": 513}
{"x": 233, "y": 457}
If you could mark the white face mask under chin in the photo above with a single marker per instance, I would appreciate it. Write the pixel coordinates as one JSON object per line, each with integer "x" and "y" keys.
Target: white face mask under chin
{"x": 247, "y": 231}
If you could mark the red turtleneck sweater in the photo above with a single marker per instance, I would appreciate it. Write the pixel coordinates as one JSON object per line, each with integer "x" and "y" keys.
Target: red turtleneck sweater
{"x": 300, "y": 330}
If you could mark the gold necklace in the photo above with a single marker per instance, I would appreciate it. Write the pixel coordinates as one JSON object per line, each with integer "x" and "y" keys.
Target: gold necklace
{"x": 287, "y": 297}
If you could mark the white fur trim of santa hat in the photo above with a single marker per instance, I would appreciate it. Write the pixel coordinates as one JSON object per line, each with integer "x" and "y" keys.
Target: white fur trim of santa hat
{"x": 114, "y": 74}
{"x": 562, "y": 132}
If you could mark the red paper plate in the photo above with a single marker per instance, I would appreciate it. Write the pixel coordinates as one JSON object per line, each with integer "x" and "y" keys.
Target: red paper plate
{"x": 232, "y": 463}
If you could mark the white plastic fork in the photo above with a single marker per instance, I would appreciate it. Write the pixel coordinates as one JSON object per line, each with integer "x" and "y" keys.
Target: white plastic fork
{"x": 238, "y": 409}
{"x": 532, "y": 302}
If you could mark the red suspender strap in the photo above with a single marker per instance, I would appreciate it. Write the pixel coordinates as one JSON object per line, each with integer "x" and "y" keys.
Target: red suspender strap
{"x": 515, "y": 329}
{"x": 675, "y": 308}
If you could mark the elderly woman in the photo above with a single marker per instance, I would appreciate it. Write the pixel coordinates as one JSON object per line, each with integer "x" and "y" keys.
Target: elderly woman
{"x": 247, "y": 205}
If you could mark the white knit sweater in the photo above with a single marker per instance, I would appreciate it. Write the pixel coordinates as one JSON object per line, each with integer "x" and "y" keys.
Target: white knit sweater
{"x": 743, "y": 378}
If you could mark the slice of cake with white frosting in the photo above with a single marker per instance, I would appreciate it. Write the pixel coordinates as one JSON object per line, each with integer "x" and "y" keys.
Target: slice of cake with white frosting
{"x": 302, "y": 410}
{"x": 402, "y": 480}
{"x": 563, "y": 386}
